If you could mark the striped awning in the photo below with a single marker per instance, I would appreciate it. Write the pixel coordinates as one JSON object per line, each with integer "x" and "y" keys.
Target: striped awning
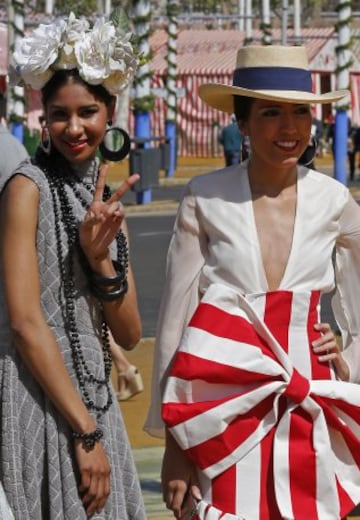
{"x": 205, "y": 52}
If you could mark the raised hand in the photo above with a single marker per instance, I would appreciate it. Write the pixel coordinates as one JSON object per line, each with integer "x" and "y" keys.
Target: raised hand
{"x": 103, "y": 219}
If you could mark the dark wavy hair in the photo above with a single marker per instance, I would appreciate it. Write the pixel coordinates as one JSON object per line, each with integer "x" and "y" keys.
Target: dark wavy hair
{"x": 63, "y": 77}
{"x": 242, "y": 107}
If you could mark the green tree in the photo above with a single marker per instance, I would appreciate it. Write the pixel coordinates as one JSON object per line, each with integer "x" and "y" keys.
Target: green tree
{"x": 79, "y": 7}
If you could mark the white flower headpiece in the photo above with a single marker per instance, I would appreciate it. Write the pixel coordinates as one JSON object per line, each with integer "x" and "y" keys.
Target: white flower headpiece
{"x": 103, "y": 54}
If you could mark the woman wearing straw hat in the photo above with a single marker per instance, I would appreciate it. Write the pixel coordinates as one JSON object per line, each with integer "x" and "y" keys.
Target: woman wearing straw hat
{"x": 260, "y": 404}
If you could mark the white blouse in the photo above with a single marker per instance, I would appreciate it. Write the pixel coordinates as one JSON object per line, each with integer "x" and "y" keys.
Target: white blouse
{"x": 215, "y": 240}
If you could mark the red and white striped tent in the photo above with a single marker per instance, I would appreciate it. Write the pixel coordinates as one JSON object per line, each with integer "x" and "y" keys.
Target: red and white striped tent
{"x": 209, "y": 56}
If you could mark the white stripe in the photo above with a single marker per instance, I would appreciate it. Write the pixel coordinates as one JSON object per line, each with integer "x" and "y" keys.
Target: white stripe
{"x": 229, "y": 352}
{"x": 203, "y": 427}
{"x": 298, "y": 338}
{"x": 213, "y": 513}
{"x": 324, "y": 460}
{"x": 346, "y": 470}
{"x": 205, "y": 486}
{"x": 258, "y": 303}
{"x": 348, "y": 392}
{"x": 348, "y": 420}
{"x": 180, "y": 390}
{"x": 248, "y": 473}
{"x": 246, "y": 447}
{"x": 248, "y": 307}
{"x": 281, "y": 466}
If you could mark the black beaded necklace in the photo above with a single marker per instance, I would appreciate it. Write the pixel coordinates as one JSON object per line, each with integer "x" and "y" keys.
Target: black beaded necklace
{"x": 64, "y": 216}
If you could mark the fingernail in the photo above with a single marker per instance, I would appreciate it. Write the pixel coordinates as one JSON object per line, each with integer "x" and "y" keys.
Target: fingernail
{"x": 197, "y": 494}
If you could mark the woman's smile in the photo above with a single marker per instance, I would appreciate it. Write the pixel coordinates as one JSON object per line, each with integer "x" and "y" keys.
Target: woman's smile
{"x": 288, "y": 146}
{"x": 78, "y": 146}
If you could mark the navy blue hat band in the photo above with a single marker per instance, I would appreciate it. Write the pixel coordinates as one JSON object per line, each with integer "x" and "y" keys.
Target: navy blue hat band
{"x": 273, "y": 78}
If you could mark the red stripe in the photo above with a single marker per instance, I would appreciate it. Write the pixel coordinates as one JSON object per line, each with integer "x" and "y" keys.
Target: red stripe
{"x": 350, "y": 409}
{"x": 223, "y": 490}
{"x": 187, "y": 366}
{"x": 174, "y": 413}
{"x": 346, "y": 504}
{"x": 226, "y": 325}
{"x": 318, "y": 370}
{"x": 278, "y": 314}
{"x": 297, "y": 388}
{"x": 267, "y": 503}
{"x": 215, "y": 449}
{"x": 333, "y": 421}
{"x": 302, "y": 463}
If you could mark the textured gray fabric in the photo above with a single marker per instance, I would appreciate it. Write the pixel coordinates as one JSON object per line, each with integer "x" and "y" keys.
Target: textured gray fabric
{"x": 37, "y": 468}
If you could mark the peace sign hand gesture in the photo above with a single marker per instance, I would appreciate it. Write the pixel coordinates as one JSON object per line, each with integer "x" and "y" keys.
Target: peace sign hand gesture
{"x": 103, "y": 219}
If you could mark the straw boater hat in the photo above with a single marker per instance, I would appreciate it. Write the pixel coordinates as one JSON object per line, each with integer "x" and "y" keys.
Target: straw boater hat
{"x": 271, "y": 72}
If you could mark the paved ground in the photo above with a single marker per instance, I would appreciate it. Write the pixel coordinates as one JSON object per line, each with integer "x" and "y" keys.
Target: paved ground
{"x": 148, "y": 450}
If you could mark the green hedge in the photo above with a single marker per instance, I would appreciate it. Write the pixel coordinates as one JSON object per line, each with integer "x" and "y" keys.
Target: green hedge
{"x": 31, "y": 140}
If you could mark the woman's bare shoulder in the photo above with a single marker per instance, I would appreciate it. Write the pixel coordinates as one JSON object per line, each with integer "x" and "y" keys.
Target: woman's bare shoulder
{"x": 27, "y": 176}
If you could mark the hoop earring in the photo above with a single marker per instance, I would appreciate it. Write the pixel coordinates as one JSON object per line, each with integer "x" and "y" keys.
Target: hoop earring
{"x": 310, "y": 152}
{"x": 121, "y": 153}
{"x": 45, "y": 140}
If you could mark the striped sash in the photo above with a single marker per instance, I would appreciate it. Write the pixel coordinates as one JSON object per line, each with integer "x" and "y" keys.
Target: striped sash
{"x": 244, "y": 373}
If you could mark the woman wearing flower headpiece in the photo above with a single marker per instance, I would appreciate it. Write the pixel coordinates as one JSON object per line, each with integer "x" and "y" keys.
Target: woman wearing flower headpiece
{"x": 66, "y": 282}
{"x": 259, "y": 404}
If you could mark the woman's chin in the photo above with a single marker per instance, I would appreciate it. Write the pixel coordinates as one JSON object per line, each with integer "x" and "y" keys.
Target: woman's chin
{"x": 290, "y": 161}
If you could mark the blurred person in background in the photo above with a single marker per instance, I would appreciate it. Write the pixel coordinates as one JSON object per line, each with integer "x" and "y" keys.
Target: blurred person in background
{"x": 230, "y": 138}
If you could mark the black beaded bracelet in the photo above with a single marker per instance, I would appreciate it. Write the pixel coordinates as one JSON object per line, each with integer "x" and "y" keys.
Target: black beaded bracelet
{"x": 89, "y": 439}
{"x": 109, "y": 295}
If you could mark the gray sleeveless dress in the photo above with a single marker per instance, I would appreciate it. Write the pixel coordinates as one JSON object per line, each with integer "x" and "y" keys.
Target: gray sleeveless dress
{"x": 37, "y": 467}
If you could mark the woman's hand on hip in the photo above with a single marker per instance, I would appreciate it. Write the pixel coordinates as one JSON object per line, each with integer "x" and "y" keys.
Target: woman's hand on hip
{"x": 328, "y": 350}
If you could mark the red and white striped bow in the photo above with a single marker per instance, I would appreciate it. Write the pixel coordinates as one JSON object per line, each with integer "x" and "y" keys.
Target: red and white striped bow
{"x": 231, "y": 383}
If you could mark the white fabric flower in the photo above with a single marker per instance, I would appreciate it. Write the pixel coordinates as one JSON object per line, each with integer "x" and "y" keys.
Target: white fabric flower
{"x": 122, "y": 64}
{"x": 93, "y": 52}
{"x": 76, "y": 27}
{"x": 102, "y": 54}
{"x": 75, "y": 30}
{"x": 35, "y": 53}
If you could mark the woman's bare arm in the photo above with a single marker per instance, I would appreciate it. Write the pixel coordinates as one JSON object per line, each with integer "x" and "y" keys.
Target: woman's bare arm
{"x": 33, "y": 338}
{"x": 99, "y": 228}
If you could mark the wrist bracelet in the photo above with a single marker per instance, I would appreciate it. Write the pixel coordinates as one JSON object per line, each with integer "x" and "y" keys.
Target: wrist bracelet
{"x": 120, "y": 276}
{"x": 110, "y": 295}
{"x": 89, "y": 439}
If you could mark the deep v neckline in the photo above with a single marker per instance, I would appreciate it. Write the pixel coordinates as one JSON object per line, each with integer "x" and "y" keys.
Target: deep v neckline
{"x": 254, "y": 230}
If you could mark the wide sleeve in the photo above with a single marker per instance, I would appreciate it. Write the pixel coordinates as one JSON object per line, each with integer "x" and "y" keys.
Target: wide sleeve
{"x": 186, "y": 256}
{"x": 346, "y": 300}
